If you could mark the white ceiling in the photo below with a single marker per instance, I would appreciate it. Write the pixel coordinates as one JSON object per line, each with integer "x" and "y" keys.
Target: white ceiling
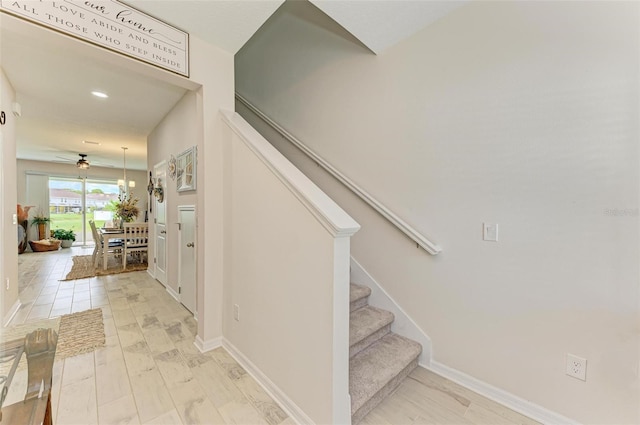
{"x": 54, "y": 88}
{"x": 53, "y": 84}
{"x": 381, "y": 24}
{"x": 228, "y": 24}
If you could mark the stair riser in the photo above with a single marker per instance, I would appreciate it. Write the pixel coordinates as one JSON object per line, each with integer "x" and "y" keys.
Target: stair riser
{"x": 383, "y": 393}
{"x": 362, "y": 302}
{"x": 364, "y": 343}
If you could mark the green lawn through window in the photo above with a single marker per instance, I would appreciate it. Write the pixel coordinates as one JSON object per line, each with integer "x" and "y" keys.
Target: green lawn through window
{"x": 72, "y": 221}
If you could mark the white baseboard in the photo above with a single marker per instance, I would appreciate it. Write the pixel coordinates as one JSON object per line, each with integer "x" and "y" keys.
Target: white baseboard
{"x": 11, "y": 313}
{"x": 513, "y": 402}
{"x": 173, "y": 293}
{"x": 151, "y": 273}
{"x": 294, "y": 412}
{"x": 403, "y": 324}
{"x": 208, "y": 345}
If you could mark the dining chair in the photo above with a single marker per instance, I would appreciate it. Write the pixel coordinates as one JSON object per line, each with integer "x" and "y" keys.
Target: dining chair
{"x": 96, "y": 239}
{"x": 136, "y": 240}
{"x": 115, "y": 246}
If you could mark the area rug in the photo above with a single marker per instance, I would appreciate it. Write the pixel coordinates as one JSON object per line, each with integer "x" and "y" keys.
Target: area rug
{"x": 78, "y": 333}
{"x": 83, "y": 267}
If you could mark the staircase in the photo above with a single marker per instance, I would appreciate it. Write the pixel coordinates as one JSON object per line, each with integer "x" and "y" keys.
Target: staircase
{"x": 379, "y": 359}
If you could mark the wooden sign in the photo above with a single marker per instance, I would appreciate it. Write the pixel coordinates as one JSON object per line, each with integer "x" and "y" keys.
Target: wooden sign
{"x": 110, "y": 24}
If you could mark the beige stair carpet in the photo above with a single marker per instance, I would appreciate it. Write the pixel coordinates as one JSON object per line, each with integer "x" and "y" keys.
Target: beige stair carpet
{"x": 379, "y": 359}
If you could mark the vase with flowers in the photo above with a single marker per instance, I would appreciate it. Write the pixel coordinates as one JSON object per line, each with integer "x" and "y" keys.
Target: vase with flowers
{"x": 126, "y": 208}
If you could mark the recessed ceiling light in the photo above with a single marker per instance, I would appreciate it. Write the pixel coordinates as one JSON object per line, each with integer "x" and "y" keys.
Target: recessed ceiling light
{"x": 99, "y": 94}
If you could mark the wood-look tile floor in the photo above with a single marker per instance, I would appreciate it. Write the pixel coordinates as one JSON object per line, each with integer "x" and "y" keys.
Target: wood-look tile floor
{"x": 150, "y": 372}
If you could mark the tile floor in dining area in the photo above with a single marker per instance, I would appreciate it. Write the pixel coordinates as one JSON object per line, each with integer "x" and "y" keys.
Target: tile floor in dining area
{"x": 150, "y": 372}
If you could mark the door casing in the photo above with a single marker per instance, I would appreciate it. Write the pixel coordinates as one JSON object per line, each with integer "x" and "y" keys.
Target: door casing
{"x": 160, "y": 225}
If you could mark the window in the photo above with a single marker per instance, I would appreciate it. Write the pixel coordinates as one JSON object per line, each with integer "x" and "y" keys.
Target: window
{"x": 73, "y": 202}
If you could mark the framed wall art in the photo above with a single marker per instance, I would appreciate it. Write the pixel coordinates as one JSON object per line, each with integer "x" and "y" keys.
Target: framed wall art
{"x": 186, "y": 170}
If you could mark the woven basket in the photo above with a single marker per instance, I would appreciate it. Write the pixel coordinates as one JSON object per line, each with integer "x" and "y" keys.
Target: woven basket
{"x": 41, "y": 247}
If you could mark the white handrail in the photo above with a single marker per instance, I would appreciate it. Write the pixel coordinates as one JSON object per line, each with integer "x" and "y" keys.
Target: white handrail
{"x": 412, "y": 233}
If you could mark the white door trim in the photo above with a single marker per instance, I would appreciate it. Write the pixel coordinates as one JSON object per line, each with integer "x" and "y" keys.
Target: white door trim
{"x": 160, "y": 277}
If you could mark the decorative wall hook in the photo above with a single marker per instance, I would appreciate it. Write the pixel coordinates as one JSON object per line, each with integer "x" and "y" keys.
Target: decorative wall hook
{"x": 158, "y": 192}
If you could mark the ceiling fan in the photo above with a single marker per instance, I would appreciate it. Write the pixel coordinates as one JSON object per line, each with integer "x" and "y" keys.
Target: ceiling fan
{"x": 82, "y": 163}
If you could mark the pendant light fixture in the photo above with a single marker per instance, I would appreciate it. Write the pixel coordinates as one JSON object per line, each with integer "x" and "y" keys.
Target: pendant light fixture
{"x": 123, "y": 184}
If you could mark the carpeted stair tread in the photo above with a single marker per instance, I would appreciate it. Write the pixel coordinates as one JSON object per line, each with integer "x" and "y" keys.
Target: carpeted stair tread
{"x": 367, "y": 325}
{"x": 358, "y": 296}
{"x": 379, "y": 365}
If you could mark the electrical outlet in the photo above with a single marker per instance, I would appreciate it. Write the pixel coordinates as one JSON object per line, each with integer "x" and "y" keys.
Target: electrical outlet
{"x": 236, "y": 312}
{"x": 576, "y": 367}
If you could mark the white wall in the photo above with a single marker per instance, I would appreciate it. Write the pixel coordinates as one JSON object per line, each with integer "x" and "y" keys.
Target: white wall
{"x": 518, "y": 113}
{"x": 177, "y": 132}
{"x": 287, "y": 271}
{"x": 195, "y": 121}
{"x": 8, "y": 235}
{"x": 212, "y": 69}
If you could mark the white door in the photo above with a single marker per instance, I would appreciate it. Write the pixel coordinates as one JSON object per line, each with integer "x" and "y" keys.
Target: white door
{"x": 187, "y": 257}
{"x": 160, "y": 225}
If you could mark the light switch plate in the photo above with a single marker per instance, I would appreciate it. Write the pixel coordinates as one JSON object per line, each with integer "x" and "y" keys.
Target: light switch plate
{"x": 490, "y": 232}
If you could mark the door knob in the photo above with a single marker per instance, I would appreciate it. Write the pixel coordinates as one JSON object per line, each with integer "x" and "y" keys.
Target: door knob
{"x": 162, "y": 232}
{"x": 190, "y": 245}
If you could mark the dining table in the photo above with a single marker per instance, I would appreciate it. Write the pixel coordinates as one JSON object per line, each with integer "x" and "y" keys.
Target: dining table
{"x": 108, "y": 234}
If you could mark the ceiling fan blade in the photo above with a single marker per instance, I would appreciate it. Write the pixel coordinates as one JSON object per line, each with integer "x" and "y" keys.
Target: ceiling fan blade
{"x": 87, "y": 157}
